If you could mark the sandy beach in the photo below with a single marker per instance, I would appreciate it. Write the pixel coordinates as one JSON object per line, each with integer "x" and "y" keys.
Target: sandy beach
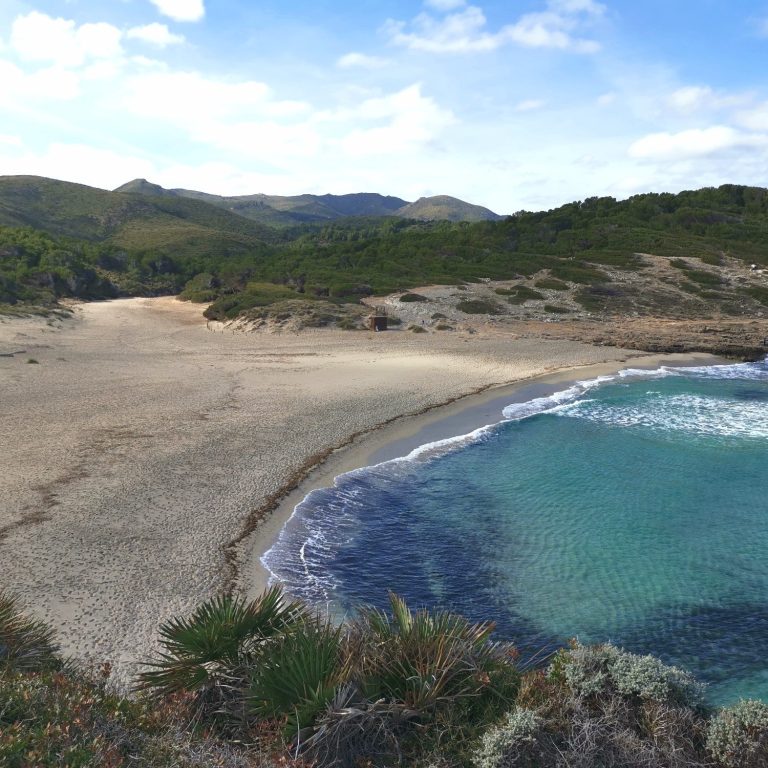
{"x": 147, "y": 455}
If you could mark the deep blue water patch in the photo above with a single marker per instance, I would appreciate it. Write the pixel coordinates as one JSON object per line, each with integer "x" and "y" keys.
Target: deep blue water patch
{"x": 632, "y": 510}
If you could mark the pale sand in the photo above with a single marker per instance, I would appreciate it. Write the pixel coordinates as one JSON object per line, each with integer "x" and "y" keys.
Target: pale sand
{"x": 137, "y": 451}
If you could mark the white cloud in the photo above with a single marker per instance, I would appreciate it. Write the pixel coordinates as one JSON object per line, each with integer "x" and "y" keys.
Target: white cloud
{"x": 699, "y": 98}
{"x": 412, "y": 121}
{"x": 696, "y": 142}
{"x": 605, "y": 99}
{"x": 11, "y": 141}
{"x": 48, "y": 84}
{"x": 79, "y": 163}
{"x": 245, "y": 117}
{"x": 465, "y": 31}
{"x": 691, "y": 98}
{"x": 41, "y": 38}
{"x": 755, "y": 119}
{"x": 361, "y": 60}
{"x": 154, "y": 34}
{"x": 188, "y": 97}
{"x": 530, "y": 105}
{"x": 181, "y": 10}
{"x": 457, "y": 33}
{"x": 279, "y": 143}
{"x": 549, "y": 30}
{"x": 242, "y": 117}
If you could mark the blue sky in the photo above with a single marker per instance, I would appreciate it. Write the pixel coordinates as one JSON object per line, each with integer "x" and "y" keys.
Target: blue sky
{"x": 512, "y": 105}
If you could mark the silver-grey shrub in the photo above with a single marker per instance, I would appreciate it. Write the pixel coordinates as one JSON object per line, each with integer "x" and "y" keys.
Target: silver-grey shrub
{"x": 592, "y": 670}
{"x": 514, "y": 743}
{"x": 738, "y": 735}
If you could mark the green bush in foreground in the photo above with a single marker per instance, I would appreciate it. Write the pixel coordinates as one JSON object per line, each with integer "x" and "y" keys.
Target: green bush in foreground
{"x": 269, "y": 683}
{"x": 738, "y": 735}
{"x": 208, "y": 653}
{"x": 601, "y": 669}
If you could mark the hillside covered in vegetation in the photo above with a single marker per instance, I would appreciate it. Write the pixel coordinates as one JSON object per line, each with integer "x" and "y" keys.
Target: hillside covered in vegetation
{"x": 59, "y": 239}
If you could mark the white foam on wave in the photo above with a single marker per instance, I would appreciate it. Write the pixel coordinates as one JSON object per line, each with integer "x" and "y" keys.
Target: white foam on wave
{"x": 558, "y": 400}
{"x": 326, "y": 519}
{"x": 680, "y": 414}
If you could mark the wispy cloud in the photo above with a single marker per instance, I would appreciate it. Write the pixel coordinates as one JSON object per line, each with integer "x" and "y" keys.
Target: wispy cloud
{"x": 155, "y": 34}
{"x": 181, "y": 10}
{"x": 530, "y": 105}
{"x": 466, "y": 30}
{"x": 360, "y": 60}
{"x": 696, "y": 142}
{"x": 761, "y": 26}
{"x": 445, "y": 5}
{"x": 699, "y": 98}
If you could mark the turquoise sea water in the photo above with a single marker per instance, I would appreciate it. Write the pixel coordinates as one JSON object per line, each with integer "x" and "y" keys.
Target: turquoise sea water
{"x": 631, "y": 508}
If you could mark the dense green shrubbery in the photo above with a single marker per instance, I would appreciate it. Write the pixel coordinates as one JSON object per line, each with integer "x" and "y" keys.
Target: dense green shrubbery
{"x": 478, "y": 307}
{"x": 167, "y": 244}
{"x": 255, "y": 295}
{"x": 54, "y": 714}
{"x": 601, "y": 706}
{"x": 551, "y": 283}
{"x": 523, "y": 293}
{"x": 201, "y": 288}
{"x": 37, "y": 268}
{"x": 391, "y": 675}
{"x": 270, "y": 683}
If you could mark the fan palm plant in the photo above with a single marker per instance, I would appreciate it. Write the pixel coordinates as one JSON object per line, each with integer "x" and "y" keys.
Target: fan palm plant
{"x": 428, "y": 660}
{"x": 210, "y": 649}
{"x": 298, "y": 675}
{"x": 25, "y": 644}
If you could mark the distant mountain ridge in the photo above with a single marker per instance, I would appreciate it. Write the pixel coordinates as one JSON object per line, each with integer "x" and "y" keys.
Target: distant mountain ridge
{"x": 277, "y": 210}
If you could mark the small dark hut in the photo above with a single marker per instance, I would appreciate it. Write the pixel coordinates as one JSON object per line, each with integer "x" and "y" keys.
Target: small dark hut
{"x": 377, "y": 321}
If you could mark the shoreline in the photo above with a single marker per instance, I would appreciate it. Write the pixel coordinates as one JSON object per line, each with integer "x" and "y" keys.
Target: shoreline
{"x": 399, "y": 436}
{"x": 144, "y": 448}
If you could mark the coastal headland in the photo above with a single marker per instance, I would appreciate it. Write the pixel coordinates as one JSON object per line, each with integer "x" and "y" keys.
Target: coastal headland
{"x": 150, "y": 457}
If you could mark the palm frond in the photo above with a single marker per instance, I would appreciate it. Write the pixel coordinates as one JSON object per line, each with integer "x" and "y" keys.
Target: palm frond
{"x": 425, "y": 659}
{"x": 217, "y": 639}
{"x": 298, "y": 675}
{"x": 25, "y": 644}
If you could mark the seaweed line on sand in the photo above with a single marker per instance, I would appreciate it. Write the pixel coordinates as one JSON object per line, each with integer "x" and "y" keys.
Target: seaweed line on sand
{"x": 233, "y": 550}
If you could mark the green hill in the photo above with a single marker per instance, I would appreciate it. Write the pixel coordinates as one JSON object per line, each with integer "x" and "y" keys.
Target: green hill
{"x": 443, "y": 207}
{"x": 75, "y": 210}
{"x": 141, "y": 244}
